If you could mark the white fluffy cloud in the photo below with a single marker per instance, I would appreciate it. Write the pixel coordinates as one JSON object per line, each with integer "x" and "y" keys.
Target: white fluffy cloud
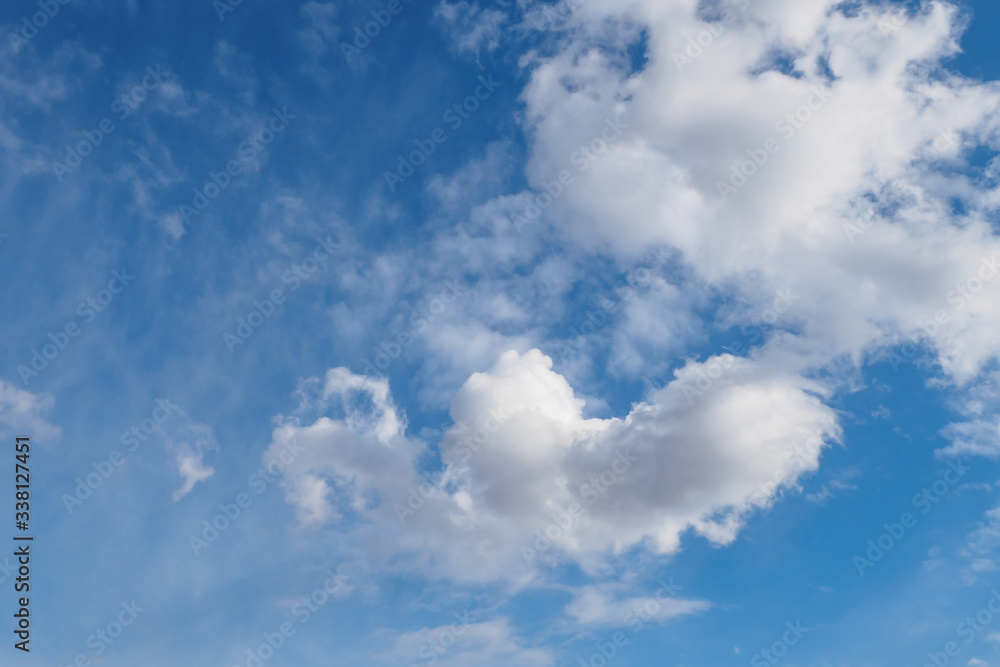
{"x": 525, "y": 478}
{"x": 776, "y": 146}
{"x": 341, "y": 462}
{"x": 785, "y": 144}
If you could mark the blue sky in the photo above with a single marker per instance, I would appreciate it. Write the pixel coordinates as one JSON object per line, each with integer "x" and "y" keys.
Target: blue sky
{"x": 598, "y": 332}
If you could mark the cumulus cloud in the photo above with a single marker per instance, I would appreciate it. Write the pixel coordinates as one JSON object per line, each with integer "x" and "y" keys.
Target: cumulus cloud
{"x": 817, "y": 146}
{"x": 524, "y": 477}
{"x": 343, "y": 461}
{"x": 813, "y": 148}
{"x": 854, "y": 109}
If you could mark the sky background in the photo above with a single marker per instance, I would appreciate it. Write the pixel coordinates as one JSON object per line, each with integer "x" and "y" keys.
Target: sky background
{"x": 789, "y": 358}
